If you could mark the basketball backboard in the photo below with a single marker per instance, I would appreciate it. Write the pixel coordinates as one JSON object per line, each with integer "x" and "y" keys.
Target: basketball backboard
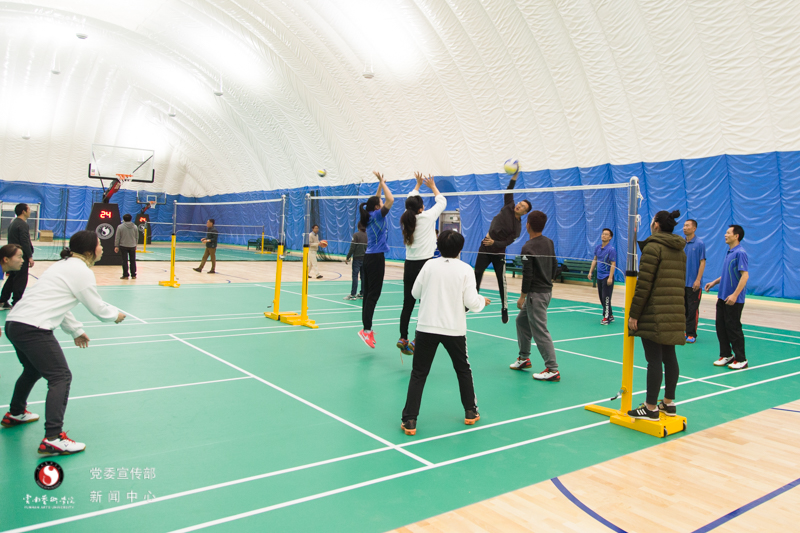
{"x": 112, "y": 162}
{"x": 153, "y": 198}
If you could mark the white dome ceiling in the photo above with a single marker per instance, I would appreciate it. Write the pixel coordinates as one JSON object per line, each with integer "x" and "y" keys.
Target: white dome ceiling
{"x": 459, "y": 86}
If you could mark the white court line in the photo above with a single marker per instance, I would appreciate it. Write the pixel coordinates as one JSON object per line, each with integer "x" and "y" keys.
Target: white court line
{"x": 738, "y": 388}
{"x": 421, "y": 469}
{"x": 598, "y": 358}
{"x": 306, "y": 402}
{"x": 382, "y": 479}
{"x": 759, "y": 338}
{"x": 754, "y": 331}
{"x": 130, "y": 315}
{"x": 143, "y": 390}
{"x": 195, "y": 491}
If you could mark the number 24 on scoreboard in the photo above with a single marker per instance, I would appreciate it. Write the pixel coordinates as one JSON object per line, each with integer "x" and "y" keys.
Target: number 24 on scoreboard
{"x": 105, "y": 214}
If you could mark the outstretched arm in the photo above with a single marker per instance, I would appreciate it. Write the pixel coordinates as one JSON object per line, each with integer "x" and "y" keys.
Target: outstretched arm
{"x": 508, "y": 198}
{"x": 382, "y": 185}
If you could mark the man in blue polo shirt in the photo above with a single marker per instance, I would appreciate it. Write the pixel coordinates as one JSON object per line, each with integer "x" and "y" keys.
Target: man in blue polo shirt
{"x": 605, "y": 257}
{"x": 695, "y": 266}
{"x": 730, "y": 301}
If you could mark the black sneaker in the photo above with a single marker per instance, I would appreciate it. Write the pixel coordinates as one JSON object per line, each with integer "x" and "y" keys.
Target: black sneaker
{"x": 505, "y": 315}
{"x": 197, "y": 269}
{"x": 669, "y": 410}
{"x": 643, "y": 413}
{"x": 124, "y": 277}
{"x": 5, "y": 306}
{"x": 409, "y": 427}
{"x": 471, "y": 416}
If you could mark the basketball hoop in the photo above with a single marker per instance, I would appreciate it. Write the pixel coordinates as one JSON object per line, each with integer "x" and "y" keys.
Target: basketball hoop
{"x": 152, "y": 203}
{"x": 124, "y": 177}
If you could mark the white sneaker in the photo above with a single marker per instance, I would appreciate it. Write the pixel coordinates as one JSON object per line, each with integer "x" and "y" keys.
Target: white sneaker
{"x": 61, "y": 445}
{"x": 519, "y": 364}
{"x": 548, "y": 375}
{"x": 10, "y": 420}
{"x": 722, "y": 361}
{"x": 349, "y": 297}
{"x": 738, "y": 365}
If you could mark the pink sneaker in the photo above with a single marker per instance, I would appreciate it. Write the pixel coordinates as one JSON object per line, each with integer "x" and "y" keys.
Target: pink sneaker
{"x": 368, "y": 338}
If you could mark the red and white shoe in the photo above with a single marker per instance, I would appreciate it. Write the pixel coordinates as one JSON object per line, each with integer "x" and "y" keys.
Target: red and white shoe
{"x": 10, "y": 420}
{"x": 548, "y": 375}
{"x": 368, "y": 338}
{"x": 519, "y": 364}
{"x": 738, "y": 365}
{"x": 62, "y": 445}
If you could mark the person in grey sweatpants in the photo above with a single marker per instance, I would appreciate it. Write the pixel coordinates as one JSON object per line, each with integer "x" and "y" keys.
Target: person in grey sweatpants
{"x": 538, "y": 271}
{"x": 125, "y": 241}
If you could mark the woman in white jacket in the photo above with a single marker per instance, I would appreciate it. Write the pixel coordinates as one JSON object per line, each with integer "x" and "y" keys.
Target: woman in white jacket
{"x": 30, "y": 325}
{"x": 419, "y": 236}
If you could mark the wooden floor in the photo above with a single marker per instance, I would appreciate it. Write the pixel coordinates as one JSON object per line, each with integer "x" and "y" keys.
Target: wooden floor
{"x": 680, "y": 485}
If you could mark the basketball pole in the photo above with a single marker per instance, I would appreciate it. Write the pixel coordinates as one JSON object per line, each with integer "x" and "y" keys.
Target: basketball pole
{"x": 666, "y": 425}
{"x": 276, "y": 302}
{"x": 172, "y": 282}
{"x": 303, "y": 319}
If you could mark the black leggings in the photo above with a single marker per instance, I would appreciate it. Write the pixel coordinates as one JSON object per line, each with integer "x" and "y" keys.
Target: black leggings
{"x": 410, "y": 272}
{"x": 41, "y": 357}
{"x": 656, "y": 355}
{"x": 371, "y": 285}
{"x": 498, "y": 261}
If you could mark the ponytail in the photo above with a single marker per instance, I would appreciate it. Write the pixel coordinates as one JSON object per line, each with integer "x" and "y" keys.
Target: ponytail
{"x": 66, "y": 253}
{"x": 667, "y": 221}
{"x": 408, "y": 220}
{"x": 83, "y": 243}
{"x": 368, "y": 207}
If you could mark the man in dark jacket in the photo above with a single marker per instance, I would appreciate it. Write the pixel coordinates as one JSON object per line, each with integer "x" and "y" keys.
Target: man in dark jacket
{"x": 504, "y": 230}
{"x": 212, "y": 235}
{"x": 538, "y": 270}
{"x": 358, "y": 248}
{"x": 18, "y": 233}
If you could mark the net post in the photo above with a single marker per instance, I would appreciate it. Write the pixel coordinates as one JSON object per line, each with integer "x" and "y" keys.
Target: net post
{"x": 665, "y": 425}
{"x": 172, "y": 282}
{"x": 303, "y": 319}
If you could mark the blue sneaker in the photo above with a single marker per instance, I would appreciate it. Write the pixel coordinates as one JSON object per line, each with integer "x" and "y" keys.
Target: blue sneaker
{"x": 407, "y": 348}
{"x": 691, "y": 339}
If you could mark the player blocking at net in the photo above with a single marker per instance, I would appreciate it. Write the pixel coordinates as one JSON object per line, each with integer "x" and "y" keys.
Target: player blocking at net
{"x": 504, "y": 230}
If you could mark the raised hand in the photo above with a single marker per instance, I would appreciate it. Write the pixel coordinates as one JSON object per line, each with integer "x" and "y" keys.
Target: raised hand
{"x": 379, "y": 176}
{"x": 429, "y": 183}
{"x": 418, "y": 177}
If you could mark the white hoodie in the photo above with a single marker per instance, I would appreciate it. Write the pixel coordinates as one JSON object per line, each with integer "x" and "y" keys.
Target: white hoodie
{"x": 445, "y": 286}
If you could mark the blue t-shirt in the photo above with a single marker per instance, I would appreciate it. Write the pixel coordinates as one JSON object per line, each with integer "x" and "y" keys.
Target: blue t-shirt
{"x": 695, "y": 252}
{"x": 604, "y": 258}
{"x": 377, "y": 229}
{"x": 735, "y": 262}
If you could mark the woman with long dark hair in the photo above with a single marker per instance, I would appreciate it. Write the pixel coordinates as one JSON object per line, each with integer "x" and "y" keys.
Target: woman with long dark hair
{"x": 657, "y": 312}
{"x": 419, "y": 236}
{"x": 373, "y": 217}
{"x": 30, "y": 325}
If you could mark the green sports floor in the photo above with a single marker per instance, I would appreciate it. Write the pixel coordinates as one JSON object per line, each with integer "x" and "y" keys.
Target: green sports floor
{"x": 233, "y": 422}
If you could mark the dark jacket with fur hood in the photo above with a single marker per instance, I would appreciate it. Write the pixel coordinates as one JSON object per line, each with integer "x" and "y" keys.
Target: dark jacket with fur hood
{"x": 658, "y": 300}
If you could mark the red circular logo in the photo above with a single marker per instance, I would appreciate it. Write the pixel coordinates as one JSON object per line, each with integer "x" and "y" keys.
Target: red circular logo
{"x": 48, "y": 475}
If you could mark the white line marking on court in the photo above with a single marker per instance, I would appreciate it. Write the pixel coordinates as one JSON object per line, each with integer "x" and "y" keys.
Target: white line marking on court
{"x": 306, "y": 402}
{"x": 381, "y": 479}
{"x": 130, "y": 315}
{"x": 739, "y": 387}
{"x": 144, "y": 390}
{"x": 196, "y": 491}
{"x": 759, "y": 338}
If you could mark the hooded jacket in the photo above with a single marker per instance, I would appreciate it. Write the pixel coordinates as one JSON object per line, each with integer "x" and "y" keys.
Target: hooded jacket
{"x": 658, "y": 299}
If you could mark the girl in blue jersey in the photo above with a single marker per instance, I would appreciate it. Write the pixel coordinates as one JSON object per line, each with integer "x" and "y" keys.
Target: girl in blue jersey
{"x": 373, "y": 216}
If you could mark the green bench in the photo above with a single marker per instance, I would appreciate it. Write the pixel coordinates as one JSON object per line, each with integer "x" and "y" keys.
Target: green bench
{"x": 270, "y": 245}
{"x": 577, "y": 270}
{"x": 568, "y": 269}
